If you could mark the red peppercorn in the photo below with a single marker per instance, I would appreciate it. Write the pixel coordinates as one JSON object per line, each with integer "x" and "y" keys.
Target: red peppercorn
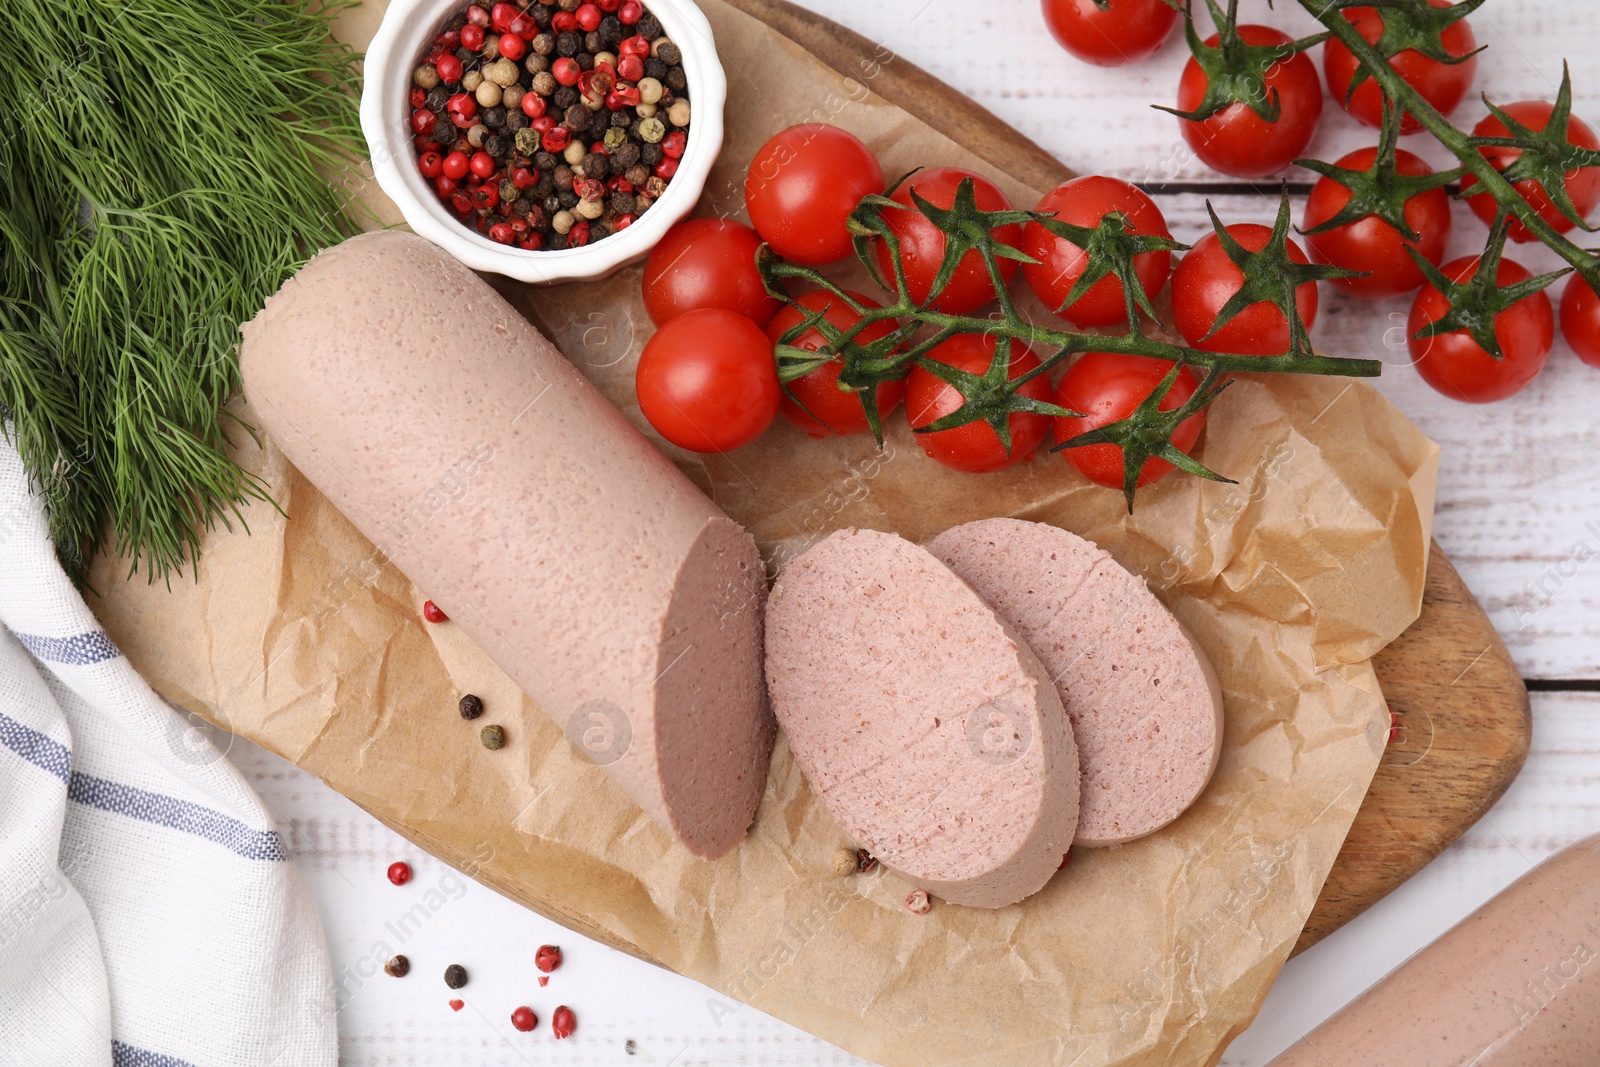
{"x": 505, "y": 208}
{"x": 524, "y": 1019}
{"x": 419, "y": 96}
{"x": 630, "y": 12}
{"x": 486, "y": 196}
{"x": 422, "y": 121}
{"x": 564, "y": 22}
{"x": 502, "y": 233}
{"x": 547, "y": 958}
{"x": 462, "y": 202}
{"x": 478, "y": 15}
{"x": 619, "y": 184}
{"x": 483, "y": 164}
{"x": 588, "y": 17}
{"x": 524, "y": 178}
{"x": 542, "y": 125}
{"x": 609, "y": 6}
{"x": 431, "y": 612}
{"x": 431, "y": 164}
{"x": 424, "y": 144}
{"x": 523, "y": 26}
{"x": 1065, "y": 860}
{"x": 512, "y": 46}
{"x": 532, "y": 243}
{"x": 673, "y": 144}
{"x": 444, "y": 186}
{"x": 666, "y": 168}
{"x": 449, "y": 68}
{"x": 454, "y": 166}
{"x": 565, "y": 71}
{"x": 563, "y": 1023}
{"x": 630, "y": 68}
{"x": 534, "y": 105}
{"x": 590, "y": 189}
{"x": 500, "y": 17}
{"x": 472, "y": 37}
{"x": 399, "y": 872}
{"x": 623, "y": 95}
{"x": 634, "y": 46}
{"x": 625, "y": 221}
{"x": 456, "y": 1005}
{"x": 463, "y": 109}
{"x": 448, "y": 41}
{"x": 556, "y": 139}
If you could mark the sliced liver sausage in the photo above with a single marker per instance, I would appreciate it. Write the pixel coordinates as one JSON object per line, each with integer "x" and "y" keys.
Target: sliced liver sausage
{"x": 931, "y": 733}
{"x": 1144, "y": 703}
{"x": 457, "y": 439}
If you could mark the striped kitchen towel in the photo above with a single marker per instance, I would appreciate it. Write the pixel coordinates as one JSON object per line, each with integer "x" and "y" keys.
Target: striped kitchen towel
{"x": 149, "y": 916}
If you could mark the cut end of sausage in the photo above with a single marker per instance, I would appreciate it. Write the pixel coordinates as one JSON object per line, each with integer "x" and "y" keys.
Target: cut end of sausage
{"x": 714, "y": 731}
{"x": 930, "y": 732}
{"x": 1145, "y": 705}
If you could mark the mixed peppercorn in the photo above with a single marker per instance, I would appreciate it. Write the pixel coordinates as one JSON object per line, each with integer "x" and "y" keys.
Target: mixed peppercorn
{"x": 550, "y": 124}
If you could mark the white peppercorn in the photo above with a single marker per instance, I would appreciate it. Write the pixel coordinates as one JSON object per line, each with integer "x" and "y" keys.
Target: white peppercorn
{"x": 563, "y": 222}
{"x": 476, "y": 135}
{"x": 471, "y": 80}
{"x": 678, "y": 113}
{"x": 502, "y": 72}
{"x": 649, "y": 90}
{"x": 512, "y": 96}
{"x": 487, "y": 93}
{"x": 426, "y": 76}
{"x": 589, "y": 209}
{"x": 645, "y": 111}
{"x": 574, "y": 153}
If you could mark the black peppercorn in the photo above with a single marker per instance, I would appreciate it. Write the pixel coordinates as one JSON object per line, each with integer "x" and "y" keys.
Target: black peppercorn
{"x": 436, "y": 100}
{"x": 598, "y": 229}
{"x": 676, "y": 80}
{"x": 551, "y": 203}
{"x": 541, "y": 16}
{"x": 595, "y": 165}
{"x": 557, "y": 242}
{"x": 445, "y": 133}
{"x": 515, "y": 120}
{"x": 620, "y": 119}
{"x": 610, "y": 32}
{"x": 564, "y": 97}
{"x": 397, "y": 967}
{"x": 523, "y": 206}
{"x": 637, "y": 173}
{"x": 494, "y": 117}
{"x": 585, "y": 60}
{"x": 544, "y": 186}
{"x": 655, "y": 68}
{"x": 471, "y": 706}
{"x": 568, "y": 44}
{"x": 648, "y": 27}
{"x": 568, "y": 198}
{"x": 577, "y": 118}
{"x": 563, "y": 178}
{"x": 621, "y": 203}
{"x": 649, "y": 154}
{"x": 453, "y": 23}
{"x": 543, "y": 160}
{"x": 669, "y": 53}
{"x": 455, "y": 976}
{"x": 624, "y": 155}
{"x": 591, "y": 42}
{"x": 633, "y": 126}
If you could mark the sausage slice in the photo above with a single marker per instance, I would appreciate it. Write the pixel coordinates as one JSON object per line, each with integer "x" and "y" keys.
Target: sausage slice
{"x": 932, "y": 734}
{"x": 1144, "y": 702}
{"x": 463, "y": 445}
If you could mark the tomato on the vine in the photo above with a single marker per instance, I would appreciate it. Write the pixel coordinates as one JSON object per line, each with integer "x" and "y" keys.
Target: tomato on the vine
{"x": 814, "y": 402}
{"x": 1583, "y": 184}
{"x": 975, "y": 447}
{"x": 1107, "y": 387}
{"x": 1206, "y": 279}
{"x": 1580, "y": 320}
{"x": 922, "y": 243}
{"x": 1236, "y": 140}
{"x": 705, "y": 263}
{"x": 803, "y": 184}
{"x": 1084, "y": 202}
{"x": 707, "y": 381}
{"x": 1371, "y": 244}
{"x": 1444, "y": 85}
{"x": 1456, "y": 365}
{"x": 1112, "y": 33}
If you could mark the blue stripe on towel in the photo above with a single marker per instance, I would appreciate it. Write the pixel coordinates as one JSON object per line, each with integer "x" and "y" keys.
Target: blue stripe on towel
{"x": 127, "y": 1056}
{"x": 39, "y": 750}
{"x": 176, "y": 814}
{"x": 76, "y": 651}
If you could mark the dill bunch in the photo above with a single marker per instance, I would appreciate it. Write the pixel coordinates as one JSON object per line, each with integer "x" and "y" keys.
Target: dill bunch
{"x": 162, "y": 170}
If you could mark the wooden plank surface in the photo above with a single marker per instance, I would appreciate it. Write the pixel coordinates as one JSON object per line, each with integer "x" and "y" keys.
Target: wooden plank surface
{"x": 1477, "y": 723}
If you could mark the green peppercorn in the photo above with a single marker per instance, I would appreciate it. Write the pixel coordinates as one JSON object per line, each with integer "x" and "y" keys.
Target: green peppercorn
{"x": 614, "y": 137}
{"x": 493, "y": 737}
{"x": 509, "y": 191}
{"x": 527, "y": 141}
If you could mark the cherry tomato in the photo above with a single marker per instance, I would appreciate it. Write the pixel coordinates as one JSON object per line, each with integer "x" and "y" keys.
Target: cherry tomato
{"x": 1444, "y": 85}
{"x": 1371, "y": 244}
{"x": 922, "y": 243}
{"x": 705, "y": 263}
{"x": 1457, "y": 366}
{"x": 707, "y": 381}
{"x": 975, "y": 447}
{"x": 1583, "y": 184}
{"x": 1084, "y": 202}
{"x": 1205, "y": 280}
{"x": 802, "y": 186}
{"x": 815, "y": 403}
{"x": 1124, "y": 31}
{"x": 1580, "y": 320}
{"x": 1236, "y": 140}
{"x": 1107, "y": 387}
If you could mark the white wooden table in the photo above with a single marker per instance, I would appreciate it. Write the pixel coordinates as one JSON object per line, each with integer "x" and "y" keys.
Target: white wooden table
{"x": 1517, "y": 496}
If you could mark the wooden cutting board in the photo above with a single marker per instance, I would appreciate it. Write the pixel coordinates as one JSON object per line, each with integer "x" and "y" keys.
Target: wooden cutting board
{"x": 1462, "y": 723}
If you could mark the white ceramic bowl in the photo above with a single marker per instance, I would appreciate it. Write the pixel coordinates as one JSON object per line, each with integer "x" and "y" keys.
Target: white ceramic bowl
{"x": 409, "y": 27}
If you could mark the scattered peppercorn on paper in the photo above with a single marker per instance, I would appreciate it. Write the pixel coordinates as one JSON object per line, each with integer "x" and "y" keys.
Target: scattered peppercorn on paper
{"x": 301, "y": 637}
